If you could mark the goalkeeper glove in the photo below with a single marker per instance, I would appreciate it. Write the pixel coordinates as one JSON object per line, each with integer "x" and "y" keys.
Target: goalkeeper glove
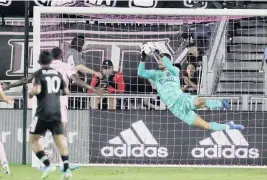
{"x": 143, "y": 54}
{"x": 157, "y": 48}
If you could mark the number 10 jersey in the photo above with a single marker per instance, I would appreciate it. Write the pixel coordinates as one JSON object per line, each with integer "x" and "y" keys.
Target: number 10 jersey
{"x": 48, "y": 101}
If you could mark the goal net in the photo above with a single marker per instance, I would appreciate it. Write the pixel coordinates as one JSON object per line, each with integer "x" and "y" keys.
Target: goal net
{"x": 221, "y": 49}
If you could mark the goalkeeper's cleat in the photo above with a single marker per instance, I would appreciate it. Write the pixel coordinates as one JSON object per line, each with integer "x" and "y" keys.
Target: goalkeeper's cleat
{"x": 48, "y": 171}
{"x": 226, "y": 104}
{"x": 232, "y": 125}
{"x": 67, "y": 175}
{"x": 6, "y": 169}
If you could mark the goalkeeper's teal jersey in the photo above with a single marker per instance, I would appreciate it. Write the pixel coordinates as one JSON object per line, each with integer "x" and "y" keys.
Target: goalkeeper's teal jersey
{"x": 167, "y": 82}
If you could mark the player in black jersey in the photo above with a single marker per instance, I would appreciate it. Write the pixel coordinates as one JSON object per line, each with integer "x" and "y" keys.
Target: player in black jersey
{"x": 47, "y": 84}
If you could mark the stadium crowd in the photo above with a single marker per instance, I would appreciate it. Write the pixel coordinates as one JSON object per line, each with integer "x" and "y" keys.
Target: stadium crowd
{"x": 106, "y": 78}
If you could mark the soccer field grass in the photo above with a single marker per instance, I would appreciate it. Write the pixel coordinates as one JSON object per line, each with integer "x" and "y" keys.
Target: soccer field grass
{"x": 118, "y": 173}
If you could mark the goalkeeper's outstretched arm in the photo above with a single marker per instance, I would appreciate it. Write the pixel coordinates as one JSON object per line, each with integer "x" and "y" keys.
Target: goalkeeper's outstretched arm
{"x": 142, "y": 72}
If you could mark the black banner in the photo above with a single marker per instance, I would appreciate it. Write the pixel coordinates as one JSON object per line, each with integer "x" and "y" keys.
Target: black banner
{"x": 16, "y": 8}
{"x": 157, "y": 137}
{"x": 12, "y": 52}
{"x": 124, "y": 42}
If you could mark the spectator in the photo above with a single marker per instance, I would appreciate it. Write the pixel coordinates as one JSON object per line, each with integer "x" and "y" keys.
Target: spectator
{"x": 74, "y": 55}
{"x": 75, "y": 58}
{"x": 190, "y": 80}
{"x": 193, "y": 55}
{"x": 112, "y": 82}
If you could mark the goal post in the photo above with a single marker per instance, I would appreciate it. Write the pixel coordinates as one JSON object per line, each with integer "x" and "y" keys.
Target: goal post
{"x": 139, "y": 130}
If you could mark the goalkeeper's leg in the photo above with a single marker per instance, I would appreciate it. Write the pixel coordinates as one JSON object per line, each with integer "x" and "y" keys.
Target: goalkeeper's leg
{"x": 209, "y": 103}
{"x": 184, "y": 107}
{"x": 199, "y": 122}
{"x": 197, "y": 102}
{"x": 191, "y": 118}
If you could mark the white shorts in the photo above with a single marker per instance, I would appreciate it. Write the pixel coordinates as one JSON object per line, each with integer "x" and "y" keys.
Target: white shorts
{"x": 64, "y": 114}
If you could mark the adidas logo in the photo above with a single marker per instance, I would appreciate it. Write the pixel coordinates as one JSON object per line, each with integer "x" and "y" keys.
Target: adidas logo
{"x": 228, "y": 144}
{"x": 141, "y": 144}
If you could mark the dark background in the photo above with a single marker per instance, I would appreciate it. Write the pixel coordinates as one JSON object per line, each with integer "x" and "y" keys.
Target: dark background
{"x": 178, "y": 137}
{"x": 11, "y": 60}
{"x": 16, "y": 8}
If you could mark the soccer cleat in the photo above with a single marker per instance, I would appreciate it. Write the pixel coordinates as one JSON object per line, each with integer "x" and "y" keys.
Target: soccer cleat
{"x": 41, "y": 168}
{"x": 6, "y": 169}
{"x": 226, "y": 104}
{"x": 232, "y": 125}
{"x": 67, "y": 175}
{"x": 47, "y": 171}
{"x": 72, "y": 168}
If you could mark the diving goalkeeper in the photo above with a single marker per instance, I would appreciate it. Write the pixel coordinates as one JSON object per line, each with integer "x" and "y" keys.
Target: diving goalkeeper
{"x": 182, "y": 105}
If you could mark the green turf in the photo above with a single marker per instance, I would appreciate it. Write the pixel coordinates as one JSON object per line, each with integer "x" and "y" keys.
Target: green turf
{"x": 116, "y": 173}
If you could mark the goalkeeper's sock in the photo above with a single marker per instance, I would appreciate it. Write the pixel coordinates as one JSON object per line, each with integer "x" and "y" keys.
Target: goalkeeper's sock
{"x": 218, "y": 127}
{"x": 213, "y": 104}
{"x": 43, "y": 158}
{"x": 66, "y": 163}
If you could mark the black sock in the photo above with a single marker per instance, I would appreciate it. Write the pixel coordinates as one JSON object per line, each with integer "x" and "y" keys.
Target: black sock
{"x": 44, "y": 159}
{"x": 65, "y": 160}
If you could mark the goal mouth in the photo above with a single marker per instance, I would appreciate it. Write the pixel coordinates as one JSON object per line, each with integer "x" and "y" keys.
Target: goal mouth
{"x": 216, "y": 42}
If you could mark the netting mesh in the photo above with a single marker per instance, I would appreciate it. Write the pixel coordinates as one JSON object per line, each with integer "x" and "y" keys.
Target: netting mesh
{"x": 132, "y": 125}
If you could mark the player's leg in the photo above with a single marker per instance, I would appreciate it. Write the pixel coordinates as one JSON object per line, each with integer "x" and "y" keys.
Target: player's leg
{"x": 64, "y": 119}
{"x": 3, "y": 159}
{"x": 42, "y": 141}
{"x": 37, "y": 148}
{"x": 201, "y": 123}
{"x": 194, "y": 102}
{"x": 182, "y": 109}
{"x": 42, "y": 144}
{"x": 63, "y": 150}
{"x": 64, "y": 116}
{"x": 61, "y": 143}
{"x": 37, "y": 128}
{"x": 210, "y": 103}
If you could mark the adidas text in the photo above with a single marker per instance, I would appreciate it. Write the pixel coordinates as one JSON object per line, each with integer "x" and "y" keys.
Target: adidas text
{"x": 136, "y": 151}
{"x": 218, "y": 151}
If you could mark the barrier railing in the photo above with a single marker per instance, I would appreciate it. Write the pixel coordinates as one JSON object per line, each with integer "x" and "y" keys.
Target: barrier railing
{"x": 258, "y": 103}
{"x": 120, "y": 101}
{"x": 142, "y": 101}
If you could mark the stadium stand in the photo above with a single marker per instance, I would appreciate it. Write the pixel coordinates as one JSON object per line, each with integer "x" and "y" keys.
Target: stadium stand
{"x": 245, "y": 46}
